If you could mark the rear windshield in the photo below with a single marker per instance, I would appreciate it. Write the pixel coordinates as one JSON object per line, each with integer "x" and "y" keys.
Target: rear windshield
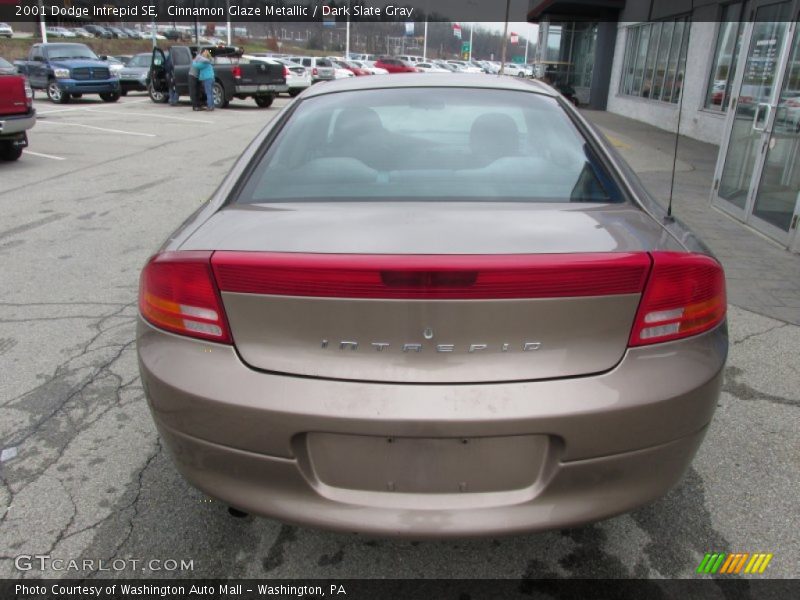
{"x": 436, "y": 144}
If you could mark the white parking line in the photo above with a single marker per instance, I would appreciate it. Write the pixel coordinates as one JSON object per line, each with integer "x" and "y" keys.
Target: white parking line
{"x": 99, "y": 128}
{"x": 43, "y": 155}
{"x": 90, "y": 106}
{"x": 127, "y": 112}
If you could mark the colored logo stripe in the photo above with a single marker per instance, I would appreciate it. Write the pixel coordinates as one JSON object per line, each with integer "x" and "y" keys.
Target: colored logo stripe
{"x": 724, "y": 563}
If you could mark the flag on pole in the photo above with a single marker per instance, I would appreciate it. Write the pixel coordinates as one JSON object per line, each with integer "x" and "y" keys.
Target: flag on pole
{"x": 514, "y": 38}
{"x": 457, "y": 30}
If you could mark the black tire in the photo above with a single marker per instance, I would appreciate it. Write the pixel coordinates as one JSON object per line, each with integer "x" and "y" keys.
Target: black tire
{"x": 109, "y": 97}
{"x": 220, "y": 101}
{"x": 9, "y": 152}
{"x": 264, "y": 101}
{"x": 54, "y": 93}
{"x": 295, "y": 92}
{"x": 156, "y": 96}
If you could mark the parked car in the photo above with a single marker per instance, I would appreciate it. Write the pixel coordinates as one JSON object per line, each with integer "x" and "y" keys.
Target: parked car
{"x": 232, "y": 78}
{"x": 6, "y": 30}
{"x": 118, "y": 33}
{"x": 67, "y": 69}
{"x": 514, "y": 70}
{"x": 341, "y": 73}
{"x": 174, "y": 34}
{"x": 297, "y": 78}
{"x": 17, "y": 114}
{"x": 114, "y": 64}
{"x": 445, "y": 65}
{"x": 429, "y": 67}
{"x": 98, "y": 31}
{"x": 82, "y": 32}
{"x": 133, "y": 76}
{"x": 6, "y": 68}
{"x": 368, "y": 65}
{"x": 351, "y": 67}
{"x": 59, "y": 32}
{"x": 395, "y": 65}
{"x": 321, "y": 69}
{"x": 465, "y": 67}
{"x": 410, "y": 58}
{"x": 384, "y": 325}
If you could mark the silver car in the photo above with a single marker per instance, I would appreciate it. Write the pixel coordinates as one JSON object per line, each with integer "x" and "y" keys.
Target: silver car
{"x": 321, "y": 69}
{"x": 428, "y": 306}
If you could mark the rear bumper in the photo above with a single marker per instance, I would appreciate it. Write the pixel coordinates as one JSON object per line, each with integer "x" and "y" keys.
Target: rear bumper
{"x": 12, "y": 125}
{"x": 609, "y": 442}
{"x": 262, "y": 89}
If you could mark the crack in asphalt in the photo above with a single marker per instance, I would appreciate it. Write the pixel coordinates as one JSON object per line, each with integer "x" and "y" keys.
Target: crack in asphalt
{"x": 759, "y": 333}
{"x": 134, "y": 503}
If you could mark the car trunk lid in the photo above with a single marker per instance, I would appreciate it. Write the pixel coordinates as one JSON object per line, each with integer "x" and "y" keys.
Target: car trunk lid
{"x": 440, "y": 295}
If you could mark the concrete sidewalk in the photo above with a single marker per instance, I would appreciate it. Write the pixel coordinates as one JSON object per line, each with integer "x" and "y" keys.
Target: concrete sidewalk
{"x": 762, "y": 277}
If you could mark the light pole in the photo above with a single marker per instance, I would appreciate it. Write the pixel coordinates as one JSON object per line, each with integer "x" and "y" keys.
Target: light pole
{"x": 505, "y": 40}
{"x": 42, "y": 27}
{"x": 228, "y": 17}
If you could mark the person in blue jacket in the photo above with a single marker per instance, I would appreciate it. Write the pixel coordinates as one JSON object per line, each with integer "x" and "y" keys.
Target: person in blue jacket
{"x": 205, "y": 75}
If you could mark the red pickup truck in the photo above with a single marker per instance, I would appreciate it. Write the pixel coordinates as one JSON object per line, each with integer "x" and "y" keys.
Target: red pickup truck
{"x": 17, "y": 115}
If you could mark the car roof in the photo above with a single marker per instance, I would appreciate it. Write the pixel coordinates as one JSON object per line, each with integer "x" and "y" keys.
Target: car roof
{"x": 432, "y": 80}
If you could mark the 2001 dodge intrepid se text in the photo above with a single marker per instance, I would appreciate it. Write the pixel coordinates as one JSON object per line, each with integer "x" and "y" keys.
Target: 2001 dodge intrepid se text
{"x": 432, "y": 306}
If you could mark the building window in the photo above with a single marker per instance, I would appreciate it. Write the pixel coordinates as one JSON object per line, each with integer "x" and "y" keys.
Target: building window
{"x": 726, "y": 53}
{"x": 655, "y": 60}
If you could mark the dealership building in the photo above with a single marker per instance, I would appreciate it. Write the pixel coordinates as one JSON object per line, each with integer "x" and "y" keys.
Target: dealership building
{"x": 723, "y": 72}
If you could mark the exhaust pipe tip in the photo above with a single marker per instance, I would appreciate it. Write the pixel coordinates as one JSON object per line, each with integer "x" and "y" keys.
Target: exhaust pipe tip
{"x": 236, "y": 513}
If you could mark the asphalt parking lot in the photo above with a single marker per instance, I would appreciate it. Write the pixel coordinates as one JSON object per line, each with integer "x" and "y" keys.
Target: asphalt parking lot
{"x": 84, "y": 476}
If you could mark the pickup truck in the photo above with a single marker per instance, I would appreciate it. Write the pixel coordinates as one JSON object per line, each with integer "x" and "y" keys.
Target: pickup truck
{"x": 65, "y": 70}
{"x": 234, "y": 77}
{"x": 17, "y": 115}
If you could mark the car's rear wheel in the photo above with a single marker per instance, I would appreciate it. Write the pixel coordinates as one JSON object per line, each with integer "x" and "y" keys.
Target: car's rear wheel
{"x": 110, "y": 97}
{"x": 294, "y": 92}
{"x": 9, "y": 151}
{"x": 264, "y": 101}
{"x": 55, "y": 94}
{"x": 219, "y": 95}
{"x": 155, "y": 95}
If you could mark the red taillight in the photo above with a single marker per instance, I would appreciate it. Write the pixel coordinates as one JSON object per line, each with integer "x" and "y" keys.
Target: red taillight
{"x": 237, "y": 71}
{"x": 314, "y": 71}
{"x": 684, "y": 296}
{"x": 285, "y": 72}
{"x": 177, "y": 293}
{"x": 431, "y": 276}
{"x": 28, "y": 94}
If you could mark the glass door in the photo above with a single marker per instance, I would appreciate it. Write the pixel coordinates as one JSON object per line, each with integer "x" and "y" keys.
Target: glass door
{"x": 777, "y": 198}
{"x": 758, "y": 170}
